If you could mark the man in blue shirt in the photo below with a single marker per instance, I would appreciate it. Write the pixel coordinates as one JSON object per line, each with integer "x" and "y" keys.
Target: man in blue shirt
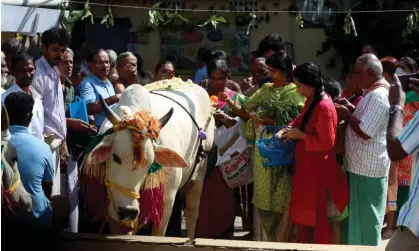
{"x": 35, "y": 162}
{"x": 202, "y": 59}
{"x": 97, "y": 84}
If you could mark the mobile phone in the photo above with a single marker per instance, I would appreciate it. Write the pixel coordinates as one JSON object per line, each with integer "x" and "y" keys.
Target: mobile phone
{"x": 404, "y": 80}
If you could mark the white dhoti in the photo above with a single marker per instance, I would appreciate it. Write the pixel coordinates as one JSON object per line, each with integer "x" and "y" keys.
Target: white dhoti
{"x": 66, "y": 183}
{"x": 56, "y": 183}
{"x": 73, "y": 194}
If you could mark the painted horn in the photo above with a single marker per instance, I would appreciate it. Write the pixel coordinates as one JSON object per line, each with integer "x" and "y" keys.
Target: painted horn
{"x": 163, "y": 120}
{"x": 111, "y": 115}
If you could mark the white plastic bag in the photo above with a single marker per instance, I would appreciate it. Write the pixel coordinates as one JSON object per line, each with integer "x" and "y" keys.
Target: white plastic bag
{"x": 233, "y": 159}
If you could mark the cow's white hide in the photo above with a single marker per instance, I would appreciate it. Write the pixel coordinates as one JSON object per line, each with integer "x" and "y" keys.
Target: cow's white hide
{"x": 179, "y": 135}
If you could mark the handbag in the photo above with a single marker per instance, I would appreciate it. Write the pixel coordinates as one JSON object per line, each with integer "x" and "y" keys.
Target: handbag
{"x": 78, "y": 110}
{"x": 275, "y": 152}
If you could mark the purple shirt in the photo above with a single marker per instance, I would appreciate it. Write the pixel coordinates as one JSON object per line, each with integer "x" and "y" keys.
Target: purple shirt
{"x": 48, "y": 85}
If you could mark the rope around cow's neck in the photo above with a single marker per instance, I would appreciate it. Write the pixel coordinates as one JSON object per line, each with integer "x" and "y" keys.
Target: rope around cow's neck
{"x": 127, "y": 192}
{"x": 15, "y": 185}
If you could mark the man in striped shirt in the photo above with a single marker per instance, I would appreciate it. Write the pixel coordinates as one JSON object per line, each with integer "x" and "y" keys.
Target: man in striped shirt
{"x": 400, "y": 143}
{"x": 366, "y": 157}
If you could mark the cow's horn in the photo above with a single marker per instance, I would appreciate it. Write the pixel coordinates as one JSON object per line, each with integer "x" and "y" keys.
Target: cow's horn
{"x": 163, "y": 120}
{"x": 111, "y": 115}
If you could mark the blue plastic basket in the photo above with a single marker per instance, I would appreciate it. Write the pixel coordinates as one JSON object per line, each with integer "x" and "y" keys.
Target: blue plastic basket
{"x": 78, "y": 110}
{"x": 275, "y": 152}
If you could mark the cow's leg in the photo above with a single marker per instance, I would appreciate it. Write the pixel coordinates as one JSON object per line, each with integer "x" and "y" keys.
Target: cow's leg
{"x": 174, "y": 227}
{"x": 169, "y": 200}
{"x": 193, "y": 199}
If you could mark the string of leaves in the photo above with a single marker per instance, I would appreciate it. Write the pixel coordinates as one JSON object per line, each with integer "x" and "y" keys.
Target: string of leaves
{"x": 349, "y": 25}
{"x": 157, "y": 17}
{"x": 251, "y": 23}
{"x": 215, "y": 21}
{"x": 108, "y": 19}
{"x": 161, "y": 16}
{"x": 412, "y": 22}
{"x": 299, "y": 20}
{"x": 75, "y": 15}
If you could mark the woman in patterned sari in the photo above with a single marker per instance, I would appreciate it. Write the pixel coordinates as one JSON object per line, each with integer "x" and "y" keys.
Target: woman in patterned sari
{"x": 217, "y": 210}
{"x": 271, "y": 191}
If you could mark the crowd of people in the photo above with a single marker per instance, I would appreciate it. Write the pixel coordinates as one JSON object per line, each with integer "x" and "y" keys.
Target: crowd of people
{"x": 352, "y": 181}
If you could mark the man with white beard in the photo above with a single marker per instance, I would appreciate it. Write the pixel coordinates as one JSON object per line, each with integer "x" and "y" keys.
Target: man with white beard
{"x": 10, "y": 48}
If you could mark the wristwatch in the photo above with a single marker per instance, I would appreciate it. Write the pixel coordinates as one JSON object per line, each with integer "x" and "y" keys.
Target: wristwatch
{"x": 394, "y": 108}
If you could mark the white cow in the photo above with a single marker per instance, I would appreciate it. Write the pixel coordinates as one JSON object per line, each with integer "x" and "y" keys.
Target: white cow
{"x": 177, "y": 147}
{"x": 20, "y": 200}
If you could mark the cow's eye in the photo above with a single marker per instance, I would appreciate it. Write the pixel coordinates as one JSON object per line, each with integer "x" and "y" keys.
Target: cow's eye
{"x": 116, "y": 158}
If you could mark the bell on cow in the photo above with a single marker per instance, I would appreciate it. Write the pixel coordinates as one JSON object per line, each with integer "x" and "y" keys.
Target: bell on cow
{"x": 111, "y": 115}
{"x": 163, "y": 120}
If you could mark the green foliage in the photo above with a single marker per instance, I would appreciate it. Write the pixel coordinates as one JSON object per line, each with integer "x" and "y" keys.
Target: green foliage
{"x": 155, "y": 18}
{"x": 158, "y": 17}
{"x": 349, "y": 26}
{"x": 386, "y": 31}
{"x": 252, "y": 22}
{"x": 108, "y": 19}
{"x": 283, "y": 111}
{"x": 215, "y": 21}
{"x": 74, "y": 16}
{"x": 299, "y": 20}
{"x": 412, "y": 22}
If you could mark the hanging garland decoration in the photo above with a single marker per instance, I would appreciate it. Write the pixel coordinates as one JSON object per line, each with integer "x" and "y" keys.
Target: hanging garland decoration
{"x": 74, "y": 15}
{"x": 172, "y": 16}
{"x": 160, "y": 16}
{"x": 215, "y": 21}
{"x": 349, "y": 25}
{"x": 251, "y": 23}
{"x": 299, "y": 20}
{"x": 412, "y": 22}
{"x": 108, "y": 20}
{"x": 157, "y": 18}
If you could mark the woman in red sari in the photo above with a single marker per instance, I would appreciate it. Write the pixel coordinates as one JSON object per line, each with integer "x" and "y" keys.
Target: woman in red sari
{"x": 318, "y": 179}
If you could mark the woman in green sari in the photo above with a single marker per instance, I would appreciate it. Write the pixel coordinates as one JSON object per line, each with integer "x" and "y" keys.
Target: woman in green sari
{"x": 271, "y": 188}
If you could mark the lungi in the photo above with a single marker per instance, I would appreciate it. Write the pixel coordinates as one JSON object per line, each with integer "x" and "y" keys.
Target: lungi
{"x": 367, "y": 205}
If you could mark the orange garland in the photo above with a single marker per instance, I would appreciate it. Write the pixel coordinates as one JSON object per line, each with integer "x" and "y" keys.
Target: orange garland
{"x": 142, "y": 125}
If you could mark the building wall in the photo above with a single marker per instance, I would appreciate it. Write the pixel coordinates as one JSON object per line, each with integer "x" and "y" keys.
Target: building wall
{"x": 306, "y": 40}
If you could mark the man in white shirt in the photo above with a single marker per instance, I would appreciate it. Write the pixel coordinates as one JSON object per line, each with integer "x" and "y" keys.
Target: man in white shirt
{"x": 23, "y": 70}
{"x": 47, "y": 83}
{"x": 400, "y": 143}
{"x": 366, "y": 157}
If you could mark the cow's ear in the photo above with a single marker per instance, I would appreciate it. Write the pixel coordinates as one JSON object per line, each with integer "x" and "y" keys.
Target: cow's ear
{"x": 168, "y": 158}
{"x": 102, "y": 151}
